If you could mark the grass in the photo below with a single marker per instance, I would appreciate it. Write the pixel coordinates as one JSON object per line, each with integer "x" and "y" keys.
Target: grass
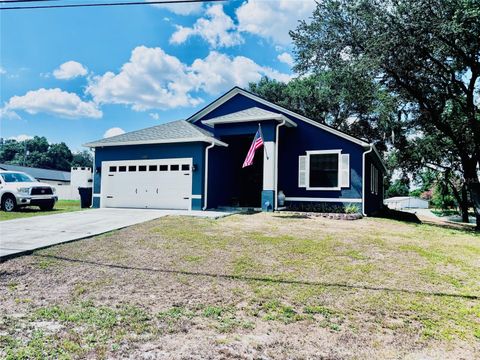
{"x": 256, "y": 286}
{"x": 24, "y": 212}
{"x": 450, "y": 212}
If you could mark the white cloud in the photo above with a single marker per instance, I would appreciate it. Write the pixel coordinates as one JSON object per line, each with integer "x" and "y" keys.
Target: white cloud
{"x": 54, "y": 102}
{"x": 21, "y": 137}
{"x": 113, "y": 132}
{"x": 154, "y": 116}
{"x": 218, "y": 72}
{"x": 69, "y": 70}
{"x": 2, "y": 71}
{"x": 153, "y": 79}
{"x": 217, "y": 28}
{"x": 9, "y": 114}
{"x": 182, "y": 9}
{"x": 273, "y": 19}
{"x": 285, "y": 58}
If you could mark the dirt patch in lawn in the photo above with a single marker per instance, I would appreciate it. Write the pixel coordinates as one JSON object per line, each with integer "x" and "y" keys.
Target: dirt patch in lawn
{"x": 248, "y": 286}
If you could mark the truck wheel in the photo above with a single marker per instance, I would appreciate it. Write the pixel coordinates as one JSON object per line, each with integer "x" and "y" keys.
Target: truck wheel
{"x": 9, "y": 203}
{"x": 48, "y": 206}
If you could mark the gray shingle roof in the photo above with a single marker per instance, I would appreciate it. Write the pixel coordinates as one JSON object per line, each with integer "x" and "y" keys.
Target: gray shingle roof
{"x": 250, "y": 114}
{"x": 43, "y": 174}
{"x": 168, "y": 132}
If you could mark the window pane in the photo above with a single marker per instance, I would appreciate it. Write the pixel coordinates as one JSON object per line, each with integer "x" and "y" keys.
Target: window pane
{"x": 113, "y": 169}
{"x": 185, "y": 167}
{"x": 324, "y": 170}
{"x": 174, "y": 167}
{"x": 122, "y": 168}
{"x": 163, "y": 167}
{"x": 152, "y": 168}
{"x": 142, "y": 168}
{"x": 132, "y": 168}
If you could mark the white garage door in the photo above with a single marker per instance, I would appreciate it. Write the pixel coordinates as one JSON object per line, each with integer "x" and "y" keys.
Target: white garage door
{"x": 156, "y": 184}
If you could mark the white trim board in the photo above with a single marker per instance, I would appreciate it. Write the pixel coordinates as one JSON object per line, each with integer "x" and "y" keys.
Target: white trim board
{"x": 333, "y": 200}
{"x": 196, "y": 196}
{"x": 278, "y": 117}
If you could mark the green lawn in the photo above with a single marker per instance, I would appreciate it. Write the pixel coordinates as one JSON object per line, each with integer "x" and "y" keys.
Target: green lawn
{"x": 248, "y": 286}
{"x": 60, "y": 207}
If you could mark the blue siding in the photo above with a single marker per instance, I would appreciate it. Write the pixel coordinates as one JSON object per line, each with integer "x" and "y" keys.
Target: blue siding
{"x": 293, "y": 143}
{"x": 154, "y": 151}
{"x": 373, "y": 202}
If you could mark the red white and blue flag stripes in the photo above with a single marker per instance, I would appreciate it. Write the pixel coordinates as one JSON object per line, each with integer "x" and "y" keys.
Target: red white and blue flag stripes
{"x": 256, "y": 144}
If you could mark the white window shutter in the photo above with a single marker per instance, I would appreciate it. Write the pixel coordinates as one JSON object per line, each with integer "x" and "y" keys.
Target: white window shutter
{"x": 345, "y": 170}
{"x": 302, "y": 171}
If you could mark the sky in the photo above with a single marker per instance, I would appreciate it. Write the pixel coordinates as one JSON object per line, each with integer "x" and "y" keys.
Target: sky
{"x": 77, "y": 75}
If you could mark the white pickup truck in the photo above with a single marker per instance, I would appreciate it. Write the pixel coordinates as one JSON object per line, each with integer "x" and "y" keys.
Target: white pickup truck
{"x": 19, "y": 189}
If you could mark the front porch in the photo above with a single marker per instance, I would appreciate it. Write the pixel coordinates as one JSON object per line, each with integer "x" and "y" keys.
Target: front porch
{"x": 252, "y": 187}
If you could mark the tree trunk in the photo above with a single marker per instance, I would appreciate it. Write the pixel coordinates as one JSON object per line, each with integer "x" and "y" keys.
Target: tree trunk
{"x": 473, "y": 185}
{"x": 464, "y": 205}
{"x": 461, "y": 197}
{"x": 475, "y": 196}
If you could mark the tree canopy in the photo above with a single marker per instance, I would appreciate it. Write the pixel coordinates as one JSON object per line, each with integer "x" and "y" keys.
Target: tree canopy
{"x": 425, "y": 53}
{"x": 37, "y": 152}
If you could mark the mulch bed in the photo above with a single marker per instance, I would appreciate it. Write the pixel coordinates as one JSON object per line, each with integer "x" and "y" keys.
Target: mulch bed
{"x": 334, "y": 216}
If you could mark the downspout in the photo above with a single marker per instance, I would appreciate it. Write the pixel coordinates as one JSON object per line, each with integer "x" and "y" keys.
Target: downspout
{"x": 277, "y": 143}
{"x": 205, "y": 189}
{"x": 363, "y": 179}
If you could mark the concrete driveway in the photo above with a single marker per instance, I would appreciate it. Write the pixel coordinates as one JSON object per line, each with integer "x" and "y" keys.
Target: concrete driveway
{"x": 21, "y": 236}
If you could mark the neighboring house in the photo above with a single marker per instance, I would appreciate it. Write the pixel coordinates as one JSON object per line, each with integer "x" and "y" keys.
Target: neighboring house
{"x": 66, "y": 183}
{"x": 406, "y": 202}
{"x": 197, "y": 163}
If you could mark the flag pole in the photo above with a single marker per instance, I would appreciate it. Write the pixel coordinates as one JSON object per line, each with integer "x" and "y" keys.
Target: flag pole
{"x": 264, "y": 147}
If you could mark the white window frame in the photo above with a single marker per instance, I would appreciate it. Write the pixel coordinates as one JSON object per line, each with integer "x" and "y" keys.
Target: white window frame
{"x": 324, "y": 152}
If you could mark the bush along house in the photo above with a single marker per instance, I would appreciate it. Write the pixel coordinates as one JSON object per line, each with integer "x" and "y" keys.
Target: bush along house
{"x": 203, "y": 162}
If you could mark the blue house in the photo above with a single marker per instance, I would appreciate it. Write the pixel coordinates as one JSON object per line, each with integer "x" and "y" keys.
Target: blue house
{"x": 196, "y": 164}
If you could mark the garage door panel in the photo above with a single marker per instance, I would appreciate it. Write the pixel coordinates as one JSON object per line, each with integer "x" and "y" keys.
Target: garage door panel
{"x": 165, "y": 184}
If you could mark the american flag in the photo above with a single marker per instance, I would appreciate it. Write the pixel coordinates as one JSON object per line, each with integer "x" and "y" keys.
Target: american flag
{"x": 256, "y": 144}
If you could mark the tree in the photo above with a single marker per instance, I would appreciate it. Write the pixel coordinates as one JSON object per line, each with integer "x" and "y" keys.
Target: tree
{"x": 400, "y": 187}
{"x": 37, "y": 152}
{"x": 344, "y": 100}
{"x": 82, "y": 159}
{"x": 425, "y": 51}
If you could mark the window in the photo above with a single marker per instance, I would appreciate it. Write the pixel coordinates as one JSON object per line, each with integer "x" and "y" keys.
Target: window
{"x": 174, "y": 167}
{"x": 142, "y": 168}
{"x": 163, "y": 167}
{"x": 112, "y": 169}
{"x": 152, "y": 168}
{"x": 16, "y": 177}
{"x": 324, "y": 170}
{"x": 185, "y": 167}
{"x": 132, "y": 168}
{"x": 122, "y": 168}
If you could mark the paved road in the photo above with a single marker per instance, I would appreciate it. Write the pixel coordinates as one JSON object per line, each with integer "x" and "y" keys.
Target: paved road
{"x": 21, "y": 236}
